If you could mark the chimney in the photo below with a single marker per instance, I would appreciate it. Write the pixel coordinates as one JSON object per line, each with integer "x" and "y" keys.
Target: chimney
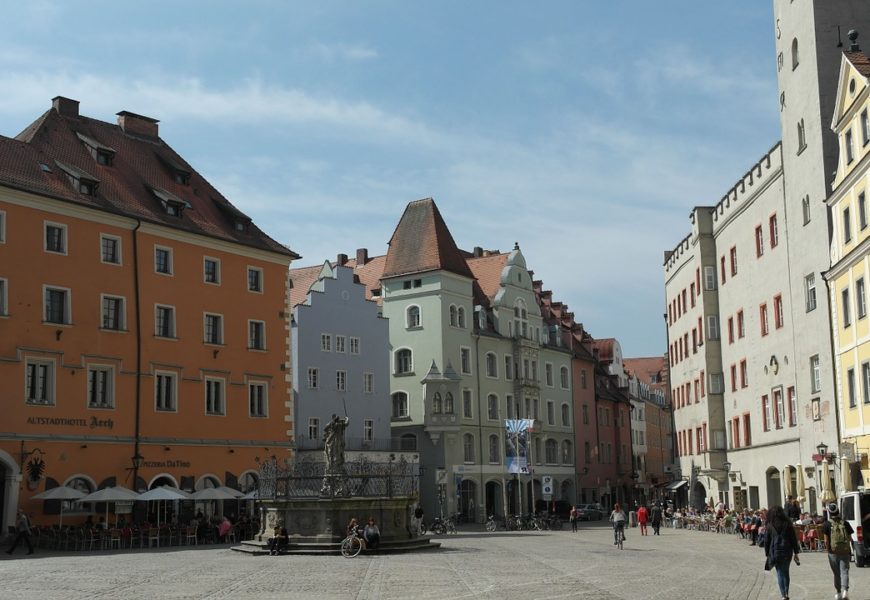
{"x": 65, "y": 106}
{"x": 362, "y": 256}
{"x": 341, "y": 259}
{"x": 478, "y": 252}
{"x": 137, "y": 124}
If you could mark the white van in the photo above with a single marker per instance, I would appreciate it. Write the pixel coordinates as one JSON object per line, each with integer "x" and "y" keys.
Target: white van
{"x": 855, "y": 508}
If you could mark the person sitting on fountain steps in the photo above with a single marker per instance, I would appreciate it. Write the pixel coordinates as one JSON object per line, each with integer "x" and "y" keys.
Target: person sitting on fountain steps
{"x": 372, "y": 534}
{"x": 279, "y": 542}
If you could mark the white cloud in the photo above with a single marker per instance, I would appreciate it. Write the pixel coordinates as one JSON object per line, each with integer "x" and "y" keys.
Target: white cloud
{"x": 339, "y": 52}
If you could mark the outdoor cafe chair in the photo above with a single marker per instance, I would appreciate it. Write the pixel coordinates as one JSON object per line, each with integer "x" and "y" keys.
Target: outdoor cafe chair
{"x": 153, "y": 536}
{"x": 114, "y": 538}
{"x": 190, "y": 535}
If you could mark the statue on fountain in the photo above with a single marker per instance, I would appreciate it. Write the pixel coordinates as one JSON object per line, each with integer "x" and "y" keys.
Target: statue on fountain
{"x": 333, "y": 450}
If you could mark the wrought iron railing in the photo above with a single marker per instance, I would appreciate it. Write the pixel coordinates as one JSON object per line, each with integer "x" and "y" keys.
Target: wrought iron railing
{"x": 304, "y": 478}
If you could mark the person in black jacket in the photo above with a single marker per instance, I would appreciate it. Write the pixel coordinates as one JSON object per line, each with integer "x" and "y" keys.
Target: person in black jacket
{"x": 780, "y": 546}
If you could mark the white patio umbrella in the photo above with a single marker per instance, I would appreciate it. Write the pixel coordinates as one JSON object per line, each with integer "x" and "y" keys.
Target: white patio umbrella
{"x": 252, "y": 495}
{"x": 827, "y": 494}
{"x": 233, "y": 492}
{"x": 162, "y": 493}
{"x": 846, "y": 474}
{"x": 110, "y": 494}
{"x": 801, "y": 485}
{"x": 212, "y": 494}
{"x": 60, "y": 493}
{"x": 786, "y": 483}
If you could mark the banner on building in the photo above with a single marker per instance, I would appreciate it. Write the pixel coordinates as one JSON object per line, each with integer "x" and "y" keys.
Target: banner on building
{"x": 517, "y": 445}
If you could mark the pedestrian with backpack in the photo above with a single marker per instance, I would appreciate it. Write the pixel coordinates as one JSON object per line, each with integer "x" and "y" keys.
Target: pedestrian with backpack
{"x": 837, "y": 534}
{"x": 780, "y": 546}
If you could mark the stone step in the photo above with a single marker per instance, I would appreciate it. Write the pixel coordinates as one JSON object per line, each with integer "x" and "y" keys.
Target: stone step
{"x": 258, "y": 548}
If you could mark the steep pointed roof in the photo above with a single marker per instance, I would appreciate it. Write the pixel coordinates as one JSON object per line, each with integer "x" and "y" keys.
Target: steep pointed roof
{"x": 422, "y": 242}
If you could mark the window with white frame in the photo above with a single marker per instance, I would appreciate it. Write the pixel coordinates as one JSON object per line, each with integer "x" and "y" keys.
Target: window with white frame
{"x": 491, "y": 365}
{"x": 256, "y": 335}
{"x": 258, "y": 401}
{"x": 437, "y": 404}
{"x": 110, "y": 249}
{"x": 255, "y": 279}
{"x": 164, "y": 391}
{"x": 548, "y": 374}
{"x": 354, "y": 345}
{"x": 163, "y": 260}
{"x": 413, "y": 317}
{"x": 810, "y": 291}
{"x": 404, "y": 362}
{"x": 709, "y": 278}
{"x": 468, "y": 448}
{"x": 340, "y": 344}
{"x": 213, "y": 329}
{"x": 39, "y": 381}
{"x": 567, "y": 452}
{"x": 452, "y": 315}
{"x": 460, "y": 317}
{"x": 101, "y": 387}
{"x": 465, "y": 360}
{"x": 164, "y": 321}
{"x": 113, "y": 313}
{"x": 57, "y": 305}
{"x": 861, "y": 298}
{"x": 563, "y": 377}
{"x": 326, "y": 342}
{"x": 4, "y": 297}
{"x": 55, "y": 238}
{"x": 815, "y": 374}
{"x": 448, "y": 403}
{"x": 214, "y": 396}
{"x": 508, "y": 367}
{"x": 211, "y": 270}
{"x": 466, "y": 404}
{"x": 341, "y": 381}
{"x": 368, "y": 383}
{"x": 566, "y": 416}
{"x": 551, "y": 412}
{"x": 313, "y": 428}
{"x": 368, "y": 430}
{"x": 400, "y": 405}
{"x": 551, "y": 452}
{"x": 492, "y": 407}
{"x": 494, "y": 449}
{"x": 312, "y": 378}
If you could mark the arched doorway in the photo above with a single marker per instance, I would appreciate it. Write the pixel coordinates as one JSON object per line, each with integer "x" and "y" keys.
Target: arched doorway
{"x": 699, "y": 496}
{"x": 493, "y": 502}
{"x": 9, "y": 477}
{"x": 468, "y": 500}
{"x": 566, "y": 492}
{"x": 164, "y": 511}
{"x": 774, "y": 487}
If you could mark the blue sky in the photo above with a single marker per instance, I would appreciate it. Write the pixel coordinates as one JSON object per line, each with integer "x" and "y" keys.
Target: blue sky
{"x": 585, "y": 131}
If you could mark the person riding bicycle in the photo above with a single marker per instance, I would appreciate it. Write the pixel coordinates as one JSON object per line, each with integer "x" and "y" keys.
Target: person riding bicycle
{"x": 617, "y": 518}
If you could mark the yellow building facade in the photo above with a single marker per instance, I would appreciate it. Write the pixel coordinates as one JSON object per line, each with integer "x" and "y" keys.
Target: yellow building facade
{"x": 849, "y": 277}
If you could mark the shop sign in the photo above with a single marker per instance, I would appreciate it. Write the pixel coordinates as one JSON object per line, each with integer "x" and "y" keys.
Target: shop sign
{"x": 92, "y": 423}
{"x": 166, "y": 464}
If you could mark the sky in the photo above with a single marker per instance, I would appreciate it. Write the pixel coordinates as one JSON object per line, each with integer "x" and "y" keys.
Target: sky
{"x": 583, "y": 130}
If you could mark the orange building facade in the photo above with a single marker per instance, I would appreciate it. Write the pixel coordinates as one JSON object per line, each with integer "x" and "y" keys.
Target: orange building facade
{"x": 144, "y": 331}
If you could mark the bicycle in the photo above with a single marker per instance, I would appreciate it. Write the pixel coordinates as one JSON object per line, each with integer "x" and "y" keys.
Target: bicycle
{"x": 352, "y": 545}
{"x": 490, "y": 523}
{"x": 620, "y": 537}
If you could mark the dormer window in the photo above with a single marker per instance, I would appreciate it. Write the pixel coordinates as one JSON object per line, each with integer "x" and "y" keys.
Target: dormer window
{"x": 180, "y": 173}
{"x": 103, "y": 154}
{"x": 82, "y": 181}
{"x": 182, "y": 177}
{"x": 172, "y": 205}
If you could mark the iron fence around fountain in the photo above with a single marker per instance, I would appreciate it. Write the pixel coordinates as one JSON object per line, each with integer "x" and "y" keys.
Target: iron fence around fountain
{"x": 361, "y": 478}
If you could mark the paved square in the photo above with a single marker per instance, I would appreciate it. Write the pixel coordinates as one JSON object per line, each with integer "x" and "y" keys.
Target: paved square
{"x": 473, "y": 564}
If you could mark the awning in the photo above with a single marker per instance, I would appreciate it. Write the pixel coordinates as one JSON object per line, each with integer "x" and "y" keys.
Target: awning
{"x": 675, "y": 485}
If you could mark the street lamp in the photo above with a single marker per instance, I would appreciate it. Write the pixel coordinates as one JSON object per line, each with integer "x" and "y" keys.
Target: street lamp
{"x": 822, "y": 448}
{"x": 727, "y": 466}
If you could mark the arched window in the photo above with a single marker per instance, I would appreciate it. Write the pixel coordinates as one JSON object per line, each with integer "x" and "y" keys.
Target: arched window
{"x": 491, "y": 365}
{"x": 567, "y": 453}
{"x": 566, "y": 416}
{"x": 563, "y": 377}
{"x": 452, "y": 312}
{"x": 413, "y": 316}
{"x": 795, "y": 59}
{"x": 468, "y": 447}
{"x": 436, "y": 404}
{"x": 404, "y": 361}
{"x": 408, "y": 442}
{"x": 400, "y": 405}
{"x": 448, "y": 403}
{"x": 550, "y": 449}
{"x": 460, "y": 317}
{"x": 494, "y": 449}
{"x": 492, "y": 407}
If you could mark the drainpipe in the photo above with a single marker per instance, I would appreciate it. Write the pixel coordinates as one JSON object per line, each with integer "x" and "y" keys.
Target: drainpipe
{"x": 136, "y": 434}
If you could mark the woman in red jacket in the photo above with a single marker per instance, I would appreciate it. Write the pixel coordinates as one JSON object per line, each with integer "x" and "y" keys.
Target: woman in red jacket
{"x": 642, "y": 518}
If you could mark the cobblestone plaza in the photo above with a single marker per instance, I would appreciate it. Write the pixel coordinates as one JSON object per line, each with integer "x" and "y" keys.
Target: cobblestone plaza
{"x": 473, "y": 564}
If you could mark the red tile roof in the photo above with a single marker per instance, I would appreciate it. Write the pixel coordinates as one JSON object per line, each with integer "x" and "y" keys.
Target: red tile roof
{"x": 487, "y": 270}
{"x": 369, "y": 275}
{"x": 860, "y": 61}
{"x": 139, "y": 166}
{"x": 302, "y": 279}
{"x": 421, "y": 242}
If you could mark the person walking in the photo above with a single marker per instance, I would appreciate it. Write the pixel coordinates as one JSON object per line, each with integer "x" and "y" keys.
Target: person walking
{"x": 656, "y": 518}
{"x": 573, "y": 517}
{"x": 780, "y": 547}
{"x": 22, "y": 527}
{"x": 837, "y": 534}
{"x": 642, "y": 518}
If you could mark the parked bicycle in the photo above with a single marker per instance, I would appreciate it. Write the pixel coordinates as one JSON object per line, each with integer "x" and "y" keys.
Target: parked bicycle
{"x": 440, "y": 526}
{"x": 490, "y": 523}
{"x": 353, "y": 544}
